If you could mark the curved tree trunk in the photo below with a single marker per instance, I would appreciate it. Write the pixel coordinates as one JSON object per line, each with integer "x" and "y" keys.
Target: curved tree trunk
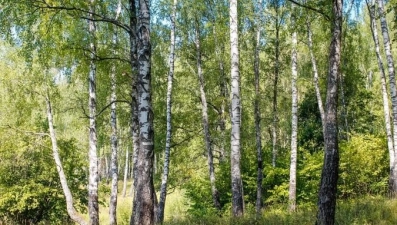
{"x": 393, "y": 93}
{"x": 237, "y": 184}
{"x": 315, "y": 76}
{"x": 144, "y": 202}
{"x": 164, "y": 180}
{"x": 74, "y": 215}
{"x": 329, "y": 176}
{"x": 386, "y": 110}
{"x": 93, "y": 208}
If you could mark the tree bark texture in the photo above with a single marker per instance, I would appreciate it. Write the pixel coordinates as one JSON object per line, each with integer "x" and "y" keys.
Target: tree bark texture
{"x": 74, "y": 215}
{"x": 205, "y": 122}
{"x": 315, "y": 76}
{"x": 113, "y": 139}
{"x": 237, "y": 185}
{"x": 294, "y": 126}
{"x": 393, "y": 92}
{"x": 144, "y": 202}
{"x": 126, "y": 166}
{"x": 329, "y": 175}
{"x": 275, "y": 93}
{"x": 93, "y": 208}
{"x": 258, "y": 131}
{"x": 164, "y": 180}
{"x": 382, "y": 74}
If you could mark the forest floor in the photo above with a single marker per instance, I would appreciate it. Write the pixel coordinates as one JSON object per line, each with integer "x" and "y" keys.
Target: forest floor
{"x": 374, "y": 210}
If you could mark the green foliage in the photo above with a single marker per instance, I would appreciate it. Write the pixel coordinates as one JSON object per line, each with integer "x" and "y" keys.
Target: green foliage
{"x": 29, "y": 182}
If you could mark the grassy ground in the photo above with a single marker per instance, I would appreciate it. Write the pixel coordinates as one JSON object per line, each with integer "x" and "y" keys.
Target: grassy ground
{"x": 367, "y": 210}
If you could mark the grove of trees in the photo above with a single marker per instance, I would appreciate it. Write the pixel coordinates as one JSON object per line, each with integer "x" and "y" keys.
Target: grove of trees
{"x": 243, "y": 105}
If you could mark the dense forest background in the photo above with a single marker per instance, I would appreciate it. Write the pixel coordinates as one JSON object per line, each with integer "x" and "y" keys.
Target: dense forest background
{"x": 46, "y": 59}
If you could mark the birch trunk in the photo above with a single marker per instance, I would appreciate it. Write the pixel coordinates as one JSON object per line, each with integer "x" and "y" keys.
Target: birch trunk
{"x": 294, "y": 126}
{"x": 123, "y": 192}
{"x": 204, "y": 108}
{"x": 93, "y": 209}
{"x": 315, "y": 76}
{"x": 114, "y": 140}
{"x": 164, "y": 180}
{"x": 258, "y": 131}
{"x": 386, "y": 109}
{"x": 144, "y": 203}
{"x": 237, "y": 185}
{"x": 74, "y": 215}
{"x": 275, "y": 85}
{"x": 329, "y": 176}
{"x": 393, "y": 94}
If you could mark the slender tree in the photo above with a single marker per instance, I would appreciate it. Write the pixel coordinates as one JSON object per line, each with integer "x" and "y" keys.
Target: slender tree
{"x": 393, "y": 92}
{"x": 164, "y": 180}
{"x": 206, "y": 127}
{"x": 294, "y": 123}
{"x": 386, "y": 110}
{"x": 144, "y": 200}
{"x": 315, "y": 75}
{"x": 113, "y": 140}
{"x": 329, "y": 175}
{"x": 237, "y": 184}
{"x": 93, "y": 208}
{"x": 126, "y": 167}
{"x": 258, "y": 131}
{"x": 74, "y": 215}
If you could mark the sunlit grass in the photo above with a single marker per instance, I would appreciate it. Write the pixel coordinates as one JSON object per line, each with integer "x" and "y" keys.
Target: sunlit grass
{"x": 364, "y": 211}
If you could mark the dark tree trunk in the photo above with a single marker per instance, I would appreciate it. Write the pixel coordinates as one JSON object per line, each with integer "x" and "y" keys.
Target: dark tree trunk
{"x": 329, "y": 175}
{"x": 144, "y": 202}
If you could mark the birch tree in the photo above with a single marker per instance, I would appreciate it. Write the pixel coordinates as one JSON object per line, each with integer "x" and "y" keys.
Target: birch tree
{"x": 163, "y": 188}
{"x": 329, "y": 175}
{"x": 74, "y": 215}
{"x": 93, "y": 208}
{"x": 144, "y": 200}
{"x": 237, "y": 185}
{"x": 294, "y": 122}
{"x": 386, "y": 110}
{"x": 393, "y": 92}
{"x": 259, "y": 179}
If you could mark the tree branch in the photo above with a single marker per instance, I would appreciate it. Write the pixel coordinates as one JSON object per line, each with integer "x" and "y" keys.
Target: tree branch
{"x": 311, "y": 8}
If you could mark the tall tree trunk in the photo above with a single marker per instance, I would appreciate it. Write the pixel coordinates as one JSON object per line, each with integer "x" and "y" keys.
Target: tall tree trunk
{"x": 393, "y": 93}
{"x": 386, "y": 109}
{"x": 315, "y": 76}
{"x": 258, "y": 131}
{"x": 164, "y": 180}
{"x": 144, "y": 202}
{"x": 206, "y": 128}
{"x": 329, "y": 175}
{"x": 113, "y": 140}
{"x": 93, "y": 209}
{"x": 275, "y": 86}
{"x": 126, "y": 165}
{"x": 237, "y": 184}
{"x": 294, "y": 125}
{"x": 74, "y": 215}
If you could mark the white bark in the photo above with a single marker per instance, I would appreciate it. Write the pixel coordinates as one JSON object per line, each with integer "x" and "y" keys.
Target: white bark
{"x": 393, "y": 92}
{"x": 205, "y": 121}
{"x": 315, "y": 77}
{"x": 93, "y": 208}
{"x": 294, "y": 125}
{"x": 385, "y": 97}
{"x": 144, "y": 202}
{"x": 123, "y": 192}
{"x": 164, "y": 180}
{"x": 74, "y": 215}
{"x": 237, "y": 186}
{"x": 259, "y": 179}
